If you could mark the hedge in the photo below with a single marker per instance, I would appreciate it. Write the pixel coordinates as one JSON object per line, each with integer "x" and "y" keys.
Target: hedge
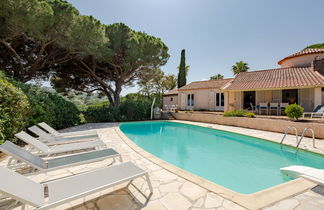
{"x": 50, "y": 107}
{"x": 129, "y": 110}
{"x": 24, "y": 105}
{"x": 14, "y": 107}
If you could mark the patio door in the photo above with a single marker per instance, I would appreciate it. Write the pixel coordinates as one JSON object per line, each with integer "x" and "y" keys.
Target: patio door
{"x": 219, "y": 101}
{"x": 290, "y": 96}
{"x": 190, "y": 101}
{"x": 249, "y": 100}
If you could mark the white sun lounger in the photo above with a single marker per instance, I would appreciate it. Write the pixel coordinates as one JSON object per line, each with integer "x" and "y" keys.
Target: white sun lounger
{"x": 42, "y": 165}
{"x": 317, "y": 112}
{"x": 51, "y": 140}
{"x": 46, "y": 150}
{"x": 67, "y": 189}
{"x": 55, "y": 133}
{"x": 312, "y": 174}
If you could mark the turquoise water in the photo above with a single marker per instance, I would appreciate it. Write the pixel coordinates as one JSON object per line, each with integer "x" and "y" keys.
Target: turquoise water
{"x": 241, "y": 163}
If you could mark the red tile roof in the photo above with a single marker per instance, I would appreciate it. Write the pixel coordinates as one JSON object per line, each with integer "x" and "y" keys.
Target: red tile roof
{"x": 302, "y": 52}
{"x": 171, "y": 92}
{"x": 277, "y": 78}
{"x": 208, "y": 84}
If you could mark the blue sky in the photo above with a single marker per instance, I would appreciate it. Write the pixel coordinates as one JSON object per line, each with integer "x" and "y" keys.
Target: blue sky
{"x": 217, "y": 33}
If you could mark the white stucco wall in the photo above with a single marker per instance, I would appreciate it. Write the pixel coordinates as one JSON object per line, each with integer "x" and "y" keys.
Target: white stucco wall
{"x": 304, "y": 60}
{"x": 204, "y": 99}
{"x": 317, "y": 97}
{"x": 167, "y": 100}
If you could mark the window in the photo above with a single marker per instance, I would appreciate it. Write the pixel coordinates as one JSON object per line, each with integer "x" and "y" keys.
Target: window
{"x": 219, "y": 99}
{"x": 171, "y": 99}
{"x": 222, "y": 99}
{"x": 190, "y": 99}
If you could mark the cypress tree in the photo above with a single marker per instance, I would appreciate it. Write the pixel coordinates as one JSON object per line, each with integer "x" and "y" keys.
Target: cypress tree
{"x": 182, "y": 81}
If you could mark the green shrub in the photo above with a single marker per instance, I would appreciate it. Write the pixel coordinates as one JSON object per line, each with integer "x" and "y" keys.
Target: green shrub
{"x": 294, "y": 111}
{"x": 239, "y": 113}
{"x": 24, "y": 105}
{"x": 50, "y": 107}
{"x": 129, "y": 110}
{"x": 250, "y": 114}
{"x": 14, "y": 107}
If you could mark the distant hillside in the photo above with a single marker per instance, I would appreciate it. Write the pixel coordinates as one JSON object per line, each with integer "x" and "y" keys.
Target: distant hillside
{"x": 320, "y": 45}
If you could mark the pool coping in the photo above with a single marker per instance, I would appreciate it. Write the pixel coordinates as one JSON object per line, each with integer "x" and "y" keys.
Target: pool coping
{"x": 256, "y": 200}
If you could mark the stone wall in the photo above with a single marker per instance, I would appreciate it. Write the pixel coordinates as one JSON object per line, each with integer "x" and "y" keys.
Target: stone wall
{"x": 274, "y": 125}
{"x": 319, "y": 65}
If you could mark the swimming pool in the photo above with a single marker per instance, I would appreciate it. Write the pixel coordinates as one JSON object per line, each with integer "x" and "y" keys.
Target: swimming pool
{"x": 241, "y": 163}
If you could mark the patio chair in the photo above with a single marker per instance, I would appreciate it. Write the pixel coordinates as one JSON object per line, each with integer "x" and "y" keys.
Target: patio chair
{"x": 274, "y": 106}
{"x": 55, "y": 133}
{"x": 41, "y": 165}
{"x": 57, "y": 149}
{"x": 51, "y": 140}
{"x": 317, "y": 112}
{"x": 263, "y": 106}
{"x": 28, "y": 192}
{"x": 282, "y": 107}
{"x": 252, "y": 108}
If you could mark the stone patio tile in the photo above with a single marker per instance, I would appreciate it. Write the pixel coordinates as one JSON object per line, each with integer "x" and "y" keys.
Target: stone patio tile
{"x": 115, "y": 202}
{"x": 154, "y": 205}
{"x": 170, "y": 187}
{"x": 213, "y": 200}
{"x": 164, "y": 176}
{"x": 285, "y": 204}
{"x": 309, "y": 206}
{"x": 156, "y": 194}
{"x": 175, "y": 201}
{"x": 199, "y": 202}
{"x": 153, "y": 167}
{"x": 231, "y": 205}
{"x": 192, "y": 191}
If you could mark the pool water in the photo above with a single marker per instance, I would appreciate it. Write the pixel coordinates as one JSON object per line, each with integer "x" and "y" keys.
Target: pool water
{"x": 241, "y": 163}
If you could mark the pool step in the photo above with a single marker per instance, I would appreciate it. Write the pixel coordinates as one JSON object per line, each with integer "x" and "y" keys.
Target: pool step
{"x": 312, "y": 174}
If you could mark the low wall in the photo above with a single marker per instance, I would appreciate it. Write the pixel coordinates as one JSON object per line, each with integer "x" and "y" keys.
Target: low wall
{"x": 275, "y": 125}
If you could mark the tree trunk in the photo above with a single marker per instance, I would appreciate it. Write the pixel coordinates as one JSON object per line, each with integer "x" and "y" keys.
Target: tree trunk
{"x": 116, "y": 94}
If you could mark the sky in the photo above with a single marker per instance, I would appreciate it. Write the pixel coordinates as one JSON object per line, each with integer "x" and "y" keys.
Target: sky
{"x": 217, "y": 33}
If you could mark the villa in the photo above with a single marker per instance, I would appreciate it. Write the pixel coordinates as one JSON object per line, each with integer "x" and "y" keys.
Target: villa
{"x": 299, "y": 80}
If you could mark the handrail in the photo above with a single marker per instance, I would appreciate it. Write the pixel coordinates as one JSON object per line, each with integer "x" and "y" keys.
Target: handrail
{"x": 286, "y": 132}
{"x": 303, "y": 134}
{"x": 152, "y": 109}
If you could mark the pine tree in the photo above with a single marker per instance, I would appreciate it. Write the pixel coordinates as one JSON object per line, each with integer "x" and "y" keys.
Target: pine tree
{"x": 182, "y": 81}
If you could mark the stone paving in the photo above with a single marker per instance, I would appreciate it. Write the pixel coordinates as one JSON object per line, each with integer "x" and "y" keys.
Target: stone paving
{"x": 169, "y": 190}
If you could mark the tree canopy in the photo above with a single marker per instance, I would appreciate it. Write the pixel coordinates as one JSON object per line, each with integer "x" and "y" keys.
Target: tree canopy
{"x": 129, "y": 56}
{"x": 217, "y": 77}
{"x": 157, "y": 84}
{"x": 239, "y": 67}
{"x": 319, "y": 45}
{"x": 51, "y": 39}
{"x": 183, "y": 70}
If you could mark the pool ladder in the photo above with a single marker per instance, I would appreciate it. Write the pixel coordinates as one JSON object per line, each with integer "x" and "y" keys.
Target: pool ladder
{"x": 301, "y": 137}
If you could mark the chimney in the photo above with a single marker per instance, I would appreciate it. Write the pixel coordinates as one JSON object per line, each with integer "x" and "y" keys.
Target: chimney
{"x": 318, "y": 65}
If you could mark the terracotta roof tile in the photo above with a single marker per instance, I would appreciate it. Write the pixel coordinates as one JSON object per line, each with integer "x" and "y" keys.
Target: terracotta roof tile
{"x": 206, "y": 84}
{"x": 303, "y": 52}
{"x": 171, "y": 92}
{"x": 277, "y": 78}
